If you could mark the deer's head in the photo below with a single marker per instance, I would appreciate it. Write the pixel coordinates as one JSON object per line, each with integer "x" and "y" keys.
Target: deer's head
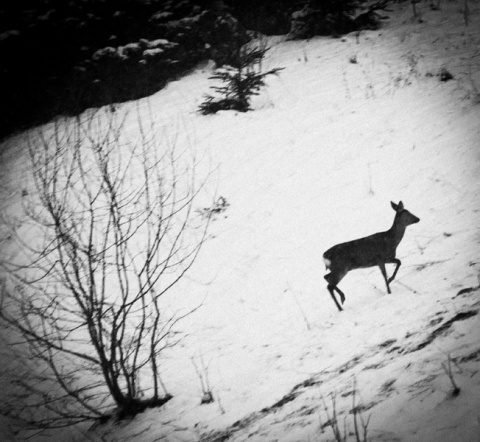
{"x": 404, "y": 217}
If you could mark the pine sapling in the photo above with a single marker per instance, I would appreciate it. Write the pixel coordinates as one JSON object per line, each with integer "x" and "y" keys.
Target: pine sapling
{"x": 241, "y": 81}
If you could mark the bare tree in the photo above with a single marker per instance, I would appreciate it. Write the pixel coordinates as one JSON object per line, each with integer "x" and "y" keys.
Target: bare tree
{"x": 111, "y": 230}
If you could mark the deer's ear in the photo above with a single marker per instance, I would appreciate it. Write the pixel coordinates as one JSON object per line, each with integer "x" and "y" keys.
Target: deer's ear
{"x": 400, "y": 205}
{"x": 394, "y": 206}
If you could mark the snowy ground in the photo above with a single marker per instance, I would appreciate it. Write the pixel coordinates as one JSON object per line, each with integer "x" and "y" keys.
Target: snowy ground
{"x": 329, "y": 145}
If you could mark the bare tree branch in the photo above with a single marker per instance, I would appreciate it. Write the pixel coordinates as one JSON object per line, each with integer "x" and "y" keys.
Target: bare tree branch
{"x": 112, "y": 228}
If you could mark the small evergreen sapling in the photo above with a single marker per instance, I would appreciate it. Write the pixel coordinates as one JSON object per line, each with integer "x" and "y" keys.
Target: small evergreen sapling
{"x": 242, "y": 80}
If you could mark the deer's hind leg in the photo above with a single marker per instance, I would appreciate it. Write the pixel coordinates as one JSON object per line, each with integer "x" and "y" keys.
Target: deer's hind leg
{"x": 333, "y": 278}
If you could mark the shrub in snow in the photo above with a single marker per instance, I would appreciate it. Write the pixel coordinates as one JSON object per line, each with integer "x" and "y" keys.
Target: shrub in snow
{"x": 445, "y": 75}
{"x": 134, "y": 52}
{"x": 330, "y": 17}
{"x": 305, "y": 23}
{"x": 217, "y": 208}
{"x": 224, "y": 37}
{"x": 87, "y": 319}
{"x": 241, "y": 82}
{"x": 119, "y": 73}
{"x": 208, "y": 34}
{"x": 269, "y": 17}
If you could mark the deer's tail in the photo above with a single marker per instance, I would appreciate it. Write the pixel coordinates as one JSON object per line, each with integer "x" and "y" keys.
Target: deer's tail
{"x": 327, "y": 262}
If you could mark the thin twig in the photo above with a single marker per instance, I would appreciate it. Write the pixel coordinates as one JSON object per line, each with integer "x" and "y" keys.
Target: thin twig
{"x": 448, "y": 371}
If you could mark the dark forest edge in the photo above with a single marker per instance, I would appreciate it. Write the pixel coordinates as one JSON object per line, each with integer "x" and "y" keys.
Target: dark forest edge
{"x": 60, "y": 58}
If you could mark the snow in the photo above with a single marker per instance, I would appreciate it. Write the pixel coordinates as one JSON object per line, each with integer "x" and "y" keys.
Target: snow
{"x": 329, "y": 144}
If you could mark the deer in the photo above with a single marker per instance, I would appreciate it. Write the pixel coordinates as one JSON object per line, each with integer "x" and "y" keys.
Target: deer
{"x": 374, "y": 250}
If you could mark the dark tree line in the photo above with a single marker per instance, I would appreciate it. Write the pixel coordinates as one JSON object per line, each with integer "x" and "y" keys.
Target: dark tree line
{"x": 53, "y": 64}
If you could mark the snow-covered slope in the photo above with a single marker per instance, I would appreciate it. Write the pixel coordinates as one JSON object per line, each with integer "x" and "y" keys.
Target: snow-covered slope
{"x": 329, "y": 145}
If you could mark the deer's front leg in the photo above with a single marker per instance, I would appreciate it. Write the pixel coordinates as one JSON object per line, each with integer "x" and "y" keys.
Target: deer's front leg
{"x": 398, "y": 263}
{"x": 384, "y": 273}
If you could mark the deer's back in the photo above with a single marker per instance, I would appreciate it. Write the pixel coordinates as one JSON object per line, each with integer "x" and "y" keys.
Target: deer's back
{"x": 364, "y": 252}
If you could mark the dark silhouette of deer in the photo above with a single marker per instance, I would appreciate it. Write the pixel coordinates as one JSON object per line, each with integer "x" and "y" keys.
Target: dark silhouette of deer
{"x": 374, "y": 250}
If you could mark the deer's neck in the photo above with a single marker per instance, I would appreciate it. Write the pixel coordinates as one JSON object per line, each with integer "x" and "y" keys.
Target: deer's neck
{"x": 397, "y": 231}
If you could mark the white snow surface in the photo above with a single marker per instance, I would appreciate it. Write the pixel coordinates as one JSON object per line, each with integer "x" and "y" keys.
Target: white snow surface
{"x": 328, "y": 145}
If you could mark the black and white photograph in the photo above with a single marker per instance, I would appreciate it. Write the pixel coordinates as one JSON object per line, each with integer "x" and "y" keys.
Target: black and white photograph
{"x": 240, "y": 221}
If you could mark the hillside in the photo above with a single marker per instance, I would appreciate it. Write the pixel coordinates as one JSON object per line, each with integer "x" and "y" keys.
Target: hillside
{"x": 349, "y": 125}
